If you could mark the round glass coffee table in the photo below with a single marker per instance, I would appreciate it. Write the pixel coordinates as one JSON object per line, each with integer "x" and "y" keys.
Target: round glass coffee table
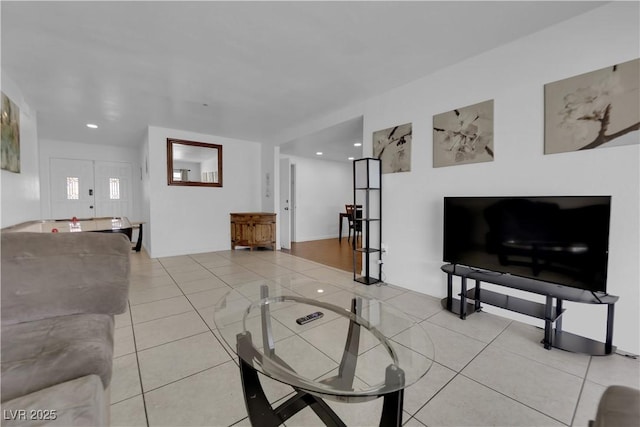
{"x": 345, "y": 347}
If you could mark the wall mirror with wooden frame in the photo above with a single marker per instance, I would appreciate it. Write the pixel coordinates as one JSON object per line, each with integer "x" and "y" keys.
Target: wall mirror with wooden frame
{"x": 191, "y": 163}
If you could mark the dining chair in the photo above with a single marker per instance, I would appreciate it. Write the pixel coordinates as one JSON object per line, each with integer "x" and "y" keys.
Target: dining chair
{"x": 353, "y": 213}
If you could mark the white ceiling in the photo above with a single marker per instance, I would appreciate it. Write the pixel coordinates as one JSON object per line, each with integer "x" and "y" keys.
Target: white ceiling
{"x": 336, "y": 143}
{"x": 246, "y": 70}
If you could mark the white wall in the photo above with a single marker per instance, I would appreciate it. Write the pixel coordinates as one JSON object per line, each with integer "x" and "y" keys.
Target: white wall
{"x": 21, "y": 191}
{"x": 72, "y": 150}
{"x": 322, "y": 189}
{"x": 145, "y": 191}
{"x": 187, "y": 220}
{"x": 514, "y": 76}
{"x": 269, "y": 179}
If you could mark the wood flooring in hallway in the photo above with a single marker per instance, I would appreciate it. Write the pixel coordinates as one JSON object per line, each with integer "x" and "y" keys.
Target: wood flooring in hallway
{"x": 332, "y": 252}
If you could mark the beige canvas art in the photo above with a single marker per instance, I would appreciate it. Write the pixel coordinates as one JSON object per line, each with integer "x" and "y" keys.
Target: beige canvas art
{"x": 463, "y": 135}
{"x": 593, "y": 110}
{"x": 10, "y": 145}
{"x": 393, "y": 147}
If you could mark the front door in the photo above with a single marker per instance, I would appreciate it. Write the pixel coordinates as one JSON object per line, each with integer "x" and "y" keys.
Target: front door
{"x": 72, "y": 189}
{"x": 88, "y": 189}
{"x": 113, "y": 189}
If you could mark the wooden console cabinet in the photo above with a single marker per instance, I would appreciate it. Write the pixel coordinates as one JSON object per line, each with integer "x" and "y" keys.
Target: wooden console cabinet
{"x": 253, "y": 229}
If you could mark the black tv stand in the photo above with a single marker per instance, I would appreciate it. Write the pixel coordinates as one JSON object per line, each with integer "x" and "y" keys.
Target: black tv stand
{"x": 470, "y": 300}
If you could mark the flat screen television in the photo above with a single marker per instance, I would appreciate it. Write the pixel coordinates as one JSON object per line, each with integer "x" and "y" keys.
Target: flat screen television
{"x": 562, "y": 240}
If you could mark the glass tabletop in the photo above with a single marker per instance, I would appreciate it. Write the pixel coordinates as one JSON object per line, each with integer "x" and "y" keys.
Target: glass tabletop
{"x": 357, "y": 348}
{"x": 68, "y": 225}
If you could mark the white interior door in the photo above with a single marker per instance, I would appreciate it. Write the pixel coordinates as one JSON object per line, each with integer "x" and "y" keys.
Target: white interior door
{"x": 72, "y": 188}
{"x": 285, "y": 197}
{"x": 113, "y": 189}
{"x": 292, "y": 204}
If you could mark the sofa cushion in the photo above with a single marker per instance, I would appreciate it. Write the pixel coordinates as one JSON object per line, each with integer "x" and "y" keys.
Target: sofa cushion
{"x": 59, "y": 274}
{"x": 45, "y": 352}
{"x": 79, "y": 402}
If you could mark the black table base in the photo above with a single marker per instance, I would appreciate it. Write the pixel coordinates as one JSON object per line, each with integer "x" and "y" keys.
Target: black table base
{"x": 262, "y": 414}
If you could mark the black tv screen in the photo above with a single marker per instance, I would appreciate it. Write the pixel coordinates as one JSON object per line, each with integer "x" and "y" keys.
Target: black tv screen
{"x": 562, "y": 240}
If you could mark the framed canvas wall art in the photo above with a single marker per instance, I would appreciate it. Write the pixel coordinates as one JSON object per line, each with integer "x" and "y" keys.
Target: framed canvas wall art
{"x": 593, "y": 110}
{"x": 463, "y": 135}
{"x": 10, "y": 144}
{"x": 393, "y": 147}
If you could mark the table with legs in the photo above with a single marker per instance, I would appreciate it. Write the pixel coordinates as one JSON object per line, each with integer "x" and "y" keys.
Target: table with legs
{"x": 72, "y": 225}
{"x": 342, "y": 216}
{"x": 374, "y": 359}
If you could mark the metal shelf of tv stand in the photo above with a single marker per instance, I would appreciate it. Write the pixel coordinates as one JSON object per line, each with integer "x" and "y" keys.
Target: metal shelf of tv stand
{"x": 547, "y": 311}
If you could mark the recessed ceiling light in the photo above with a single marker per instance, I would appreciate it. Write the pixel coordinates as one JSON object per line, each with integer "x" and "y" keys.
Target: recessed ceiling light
{"x": 318, "y": 153}
{"x": 357, "y": 144}
{"x": 350, "y": 158}
{"x": 92, "y": 126}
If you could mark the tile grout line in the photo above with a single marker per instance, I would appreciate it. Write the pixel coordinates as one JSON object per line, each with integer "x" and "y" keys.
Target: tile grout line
{"x": 189, "y": 376}
{"x": 461, "y": 369}
{"x": 172, "y": 341}
{"x": 458, "y": 373}
{"x": 135, "y": 347}
{"x": 218, "y": 339}
{"x": 584, "y": 381}
{"x": 498, "y": 391}
{"x": 143, "y": 391}
{"x": 224, "y": 347}
{"x": 437, "y": 392}
{"x": 338, "y": 285}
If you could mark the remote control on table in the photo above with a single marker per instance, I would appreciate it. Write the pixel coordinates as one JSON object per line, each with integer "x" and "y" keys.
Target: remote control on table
{"x": 309, "y": 317}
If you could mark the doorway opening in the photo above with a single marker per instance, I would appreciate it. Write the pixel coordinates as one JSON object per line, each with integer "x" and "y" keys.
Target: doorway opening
{"x": 319, "y": 187}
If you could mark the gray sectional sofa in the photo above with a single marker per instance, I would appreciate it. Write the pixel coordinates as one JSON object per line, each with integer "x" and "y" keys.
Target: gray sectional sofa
{"x": 59, "y": 294}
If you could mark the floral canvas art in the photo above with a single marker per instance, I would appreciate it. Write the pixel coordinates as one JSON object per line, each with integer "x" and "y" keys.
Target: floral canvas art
{"x": 593, "y": 110}
{"x": 393, "y": 147}
{"x": 10, "y": 135}
{"x": 463, "y": 135}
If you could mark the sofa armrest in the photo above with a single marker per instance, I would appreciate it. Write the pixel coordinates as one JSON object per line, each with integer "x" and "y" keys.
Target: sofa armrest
{"x": 56, "y": 274}
{"x": 619, "y": 407}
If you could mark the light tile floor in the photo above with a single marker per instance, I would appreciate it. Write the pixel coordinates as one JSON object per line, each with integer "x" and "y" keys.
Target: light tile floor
{"x": 172, "y": 368}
